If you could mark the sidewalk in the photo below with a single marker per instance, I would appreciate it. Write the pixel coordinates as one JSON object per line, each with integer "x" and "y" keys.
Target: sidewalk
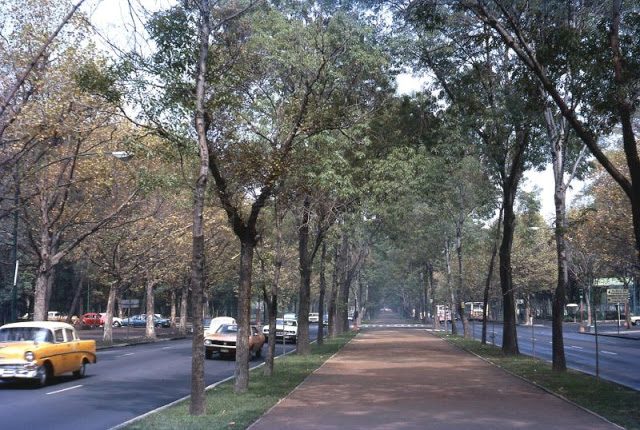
{"x": 389, "y": 379}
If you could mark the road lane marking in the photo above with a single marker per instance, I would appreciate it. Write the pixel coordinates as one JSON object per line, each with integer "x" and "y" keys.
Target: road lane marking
{"x": 65, "y": 389}
{"x": 124, "y": 355}
{"x": 167, "y": 347}
{"x": 576, "y": 347}
{"x": 608, "y": 352}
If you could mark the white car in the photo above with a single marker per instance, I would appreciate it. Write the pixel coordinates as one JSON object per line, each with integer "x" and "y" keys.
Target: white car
{"x": 286, "y": 329}
{"x": 314, "y": 317}
{"x": 211, "y": 325}
{"x": 635, "y": 319}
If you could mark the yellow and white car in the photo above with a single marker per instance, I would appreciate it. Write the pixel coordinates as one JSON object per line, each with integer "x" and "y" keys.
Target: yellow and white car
{"x": 40, "y": 350}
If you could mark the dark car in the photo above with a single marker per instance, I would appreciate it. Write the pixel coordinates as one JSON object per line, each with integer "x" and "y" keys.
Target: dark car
{"x": 141, "y": 321}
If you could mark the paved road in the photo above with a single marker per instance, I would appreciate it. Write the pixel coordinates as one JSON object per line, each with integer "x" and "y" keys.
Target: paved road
{"x": 398, "y": 378}
{"x": 125, "y": 383}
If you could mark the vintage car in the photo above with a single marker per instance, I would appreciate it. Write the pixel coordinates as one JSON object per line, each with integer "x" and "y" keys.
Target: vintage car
{"x": 223, "y": 341}
{"x": 286, "y": 329}
{"x": 92, "y": 319}
{"x": 115, "y": 321}
{"x": 40, "y": 350}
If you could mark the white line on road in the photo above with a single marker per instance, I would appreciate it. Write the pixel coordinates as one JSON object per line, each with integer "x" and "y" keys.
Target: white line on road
{"x": 609, "y": 352}
{"x": 167, "y": 347}
{"x": 576, "y": 347}
{"x": 66, "y": 389}
{"x": 124, "y": 355}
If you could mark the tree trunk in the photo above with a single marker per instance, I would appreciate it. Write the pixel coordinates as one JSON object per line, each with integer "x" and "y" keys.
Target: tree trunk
{"x": 509, "y": 337}
{"x": 107, "y": 334}
{"x": 323, "y": 288}
{"x": 244, "y": 314}
{"x": 333, "y": 299}
{"x": 452, "y": 299}
{"x": 460, "y": 283}
{"x": 197, "y": 405}
{"x": 184, "y": 311}
{"x": 272, "y": 300}
{"x": 304, "y": 347}
{"x": 487, "y": 285}
{"x": 150, "y": 331}
{"x": 173, "y": 307}
{"x": 76, "y": 299}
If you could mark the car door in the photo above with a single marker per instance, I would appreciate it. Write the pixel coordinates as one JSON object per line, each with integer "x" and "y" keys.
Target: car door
{"x": 62, "y": 356}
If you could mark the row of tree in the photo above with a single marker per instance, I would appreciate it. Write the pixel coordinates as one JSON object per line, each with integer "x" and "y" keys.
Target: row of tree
{"x": 272, "y": 132}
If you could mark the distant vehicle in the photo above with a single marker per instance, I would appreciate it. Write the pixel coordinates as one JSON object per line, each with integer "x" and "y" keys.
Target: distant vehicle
{"x": 40, "y": 350}
{"x": 290, "y": 316}
{"x": 224, "y": 341}
{"x": 285, "y": 328}
{"x": 115, "y": 321}
{"x": 314, "y": 317}
{"x": 211, "y": 325}
{"x": 92, "y": 319}
{"x": 444, "y": 314}
{"x": 473, "y": 310}
{"x": 635, "y": 319}
{"x": 141, "y": 321}
{"x": 56, "y": 316}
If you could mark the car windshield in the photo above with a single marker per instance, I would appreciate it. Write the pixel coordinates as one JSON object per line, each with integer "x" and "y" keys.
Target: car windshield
{"x": 228, "y": 328}
{"x": 286, "y": 322}
{"x": 21, "y": 334}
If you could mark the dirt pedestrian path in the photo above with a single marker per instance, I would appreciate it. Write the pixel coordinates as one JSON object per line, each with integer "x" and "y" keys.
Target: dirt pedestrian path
{"x": 393, "y": 378}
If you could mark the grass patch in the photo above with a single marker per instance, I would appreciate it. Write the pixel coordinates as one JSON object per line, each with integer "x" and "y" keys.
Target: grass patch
{"x": 228, "y": 410}
{"x": 615, "y": 402}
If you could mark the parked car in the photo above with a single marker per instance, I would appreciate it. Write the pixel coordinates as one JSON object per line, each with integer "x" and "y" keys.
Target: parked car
{"x": 285, "y": 328}
{"x": 40, "y": 350}
{"x": 635, "y": 319}
{"x": 92, "y": 319}
{"x": 224, "y": 341}
{"x": 141, "y": 321}
{"x": 314, "y": 317}
{"x": 56, "y": 316}
{"x": 115, "y": 321}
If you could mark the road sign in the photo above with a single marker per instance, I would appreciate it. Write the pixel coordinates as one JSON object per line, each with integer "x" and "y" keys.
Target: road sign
{"x": 130, "y": 304}
{"x": 617, "y": 295}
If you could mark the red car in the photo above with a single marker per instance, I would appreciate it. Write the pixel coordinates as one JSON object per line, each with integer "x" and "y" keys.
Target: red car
{"x": 92, "y": 319}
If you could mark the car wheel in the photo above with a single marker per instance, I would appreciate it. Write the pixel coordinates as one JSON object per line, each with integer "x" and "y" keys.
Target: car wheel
{"x": 116, "y": 324}
{"x": 158, "y": 325}
{"x": 43, "y": 374}
{"x": 81, "y": 371}
{"x": 208, "y": 354}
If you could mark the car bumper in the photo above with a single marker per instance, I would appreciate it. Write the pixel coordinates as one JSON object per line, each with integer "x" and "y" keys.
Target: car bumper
{"x": 19, "y": 371}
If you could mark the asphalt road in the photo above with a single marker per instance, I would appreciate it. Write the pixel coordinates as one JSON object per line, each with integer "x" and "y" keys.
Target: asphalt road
{"x": 618, "y": 358}
{"x": 125, "y": 383}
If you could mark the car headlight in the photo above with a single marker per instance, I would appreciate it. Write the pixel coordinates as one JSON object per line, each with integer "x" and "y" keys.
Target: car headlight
{"x": 207, "y": 342}
{"x": 29, "y": 356}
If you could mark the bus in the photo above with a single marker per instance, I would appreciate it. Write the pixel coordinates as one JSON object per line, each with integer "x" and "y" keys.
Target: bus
{"x": 444, "y": 314}
{"x": 473, "y": 310}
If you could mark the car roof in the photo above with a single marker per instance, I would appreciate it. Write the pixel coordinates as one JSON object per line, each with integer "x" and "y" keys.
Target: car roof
{"x": 39, "y": 324}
